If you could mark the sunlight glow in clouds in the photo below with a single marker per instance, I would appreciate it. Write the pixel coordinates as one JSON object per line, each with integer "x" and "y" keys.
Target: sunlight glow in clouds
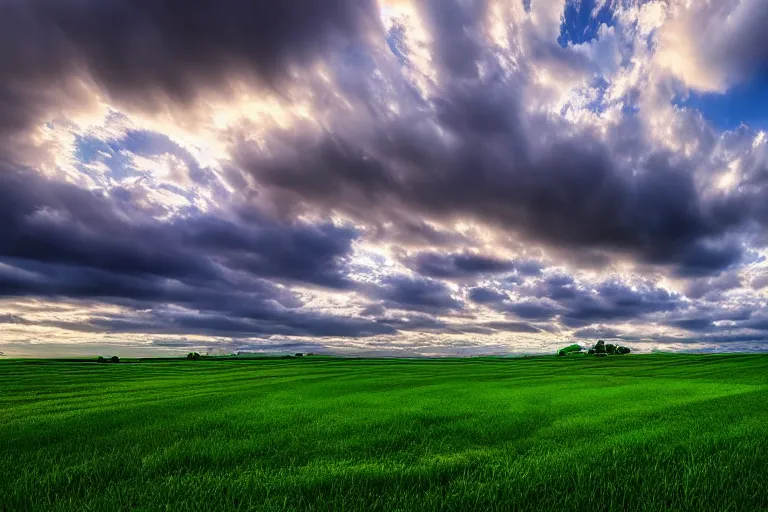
{"x": 397, "y": 177}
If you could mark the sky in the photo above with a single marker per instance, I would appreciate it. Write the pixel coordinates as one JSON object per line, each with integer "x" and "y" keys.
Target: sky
{"x": 392, "y": 177}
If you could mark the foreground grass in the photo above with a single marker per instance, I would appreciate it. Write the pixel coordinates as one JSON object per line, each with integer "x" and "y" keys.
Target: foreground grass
{"x": 651, "y": 432}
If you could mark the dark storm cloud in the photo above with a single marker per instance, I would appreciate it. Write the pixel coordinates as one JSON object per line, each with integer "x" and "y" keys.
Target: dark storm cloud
{"x": 758, "y": 341}
{"x": 713, "y": 288}
{"x": 415, "y": 322}
{"x": 529, "y": 268}
{"x": 469, "y": 150}
{"x": 415, "y": 293}
{"x": 614, "y": 300}
{"x": 483, "y": 295}
{"x": 251, "y": 298}
{"x": 702, "y": 259}
{"x": 759, "y": 323}
{"x": 713, "y": 318}
{"x": 577, "y": 304}
{"x": 146, "y": 52}
{"x": 285, "y": 323}
{"x": 63, "y": 242}
{"x": 426, "y": 323}
{"x": 707, "y": 319}
{"x": 217, "y": 309}
{"x": 54, "y": 222}
{"x": 456, "y": 29}
{"x": 531, "y": 309}
{"x": 556, "y": 287}
{"x": 693, "y": 324}
{"x": 313, "y": 254}
{"x": 47, "y": 221}
{"x": 410, "y": 231}
{"x": 440, "y": 265}
{"x": 131, "y": 46}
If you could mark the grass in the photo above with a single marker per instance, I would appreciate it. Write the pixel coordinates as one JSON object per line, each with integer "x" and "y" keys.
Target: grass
{"x": 639, "y": 432}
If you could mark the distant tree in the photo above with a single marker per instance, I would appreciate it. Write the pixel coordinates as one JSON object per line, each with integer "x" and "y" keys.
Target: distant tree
{"x": 610, "y": 349}
{"x": 600, "y": 347}
{"x": 114, "y": 359}
{"x": 591, "y": 351}
{"x": 570, "y": 349}
{"x": 193, "y": 356}
{"x": 299, "y": 354}
{"x": 101, "y": 359}
{"x": 623, "y": 350}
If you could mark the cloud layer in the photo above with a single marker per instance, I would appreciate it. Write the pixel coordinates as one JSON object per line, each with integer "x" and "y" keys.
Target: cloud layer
{"x": 392, "y": 177}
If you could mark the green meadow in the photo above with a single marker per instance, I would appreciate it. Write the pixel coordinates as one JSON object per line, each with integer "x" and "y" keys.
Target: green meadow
{"x": 638, "y": 432}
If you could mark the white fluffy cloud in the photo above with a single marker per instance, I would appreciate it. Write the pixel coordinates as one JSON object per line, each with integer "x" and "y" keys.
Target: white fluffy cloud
{"x": 712, "y": 45}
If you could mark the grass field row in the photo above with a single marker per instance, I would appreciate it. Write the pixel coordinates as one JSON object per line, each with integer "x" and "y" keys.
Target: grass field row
{"x": 640, "y": 432}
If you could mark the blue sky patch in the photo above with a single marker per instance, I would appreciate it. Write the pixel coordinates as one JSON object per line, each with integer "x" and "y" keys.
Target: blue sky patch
{"x": 91, "y": 150}
{"x": 396, "y": 43}
{"x": 747, "y": 103}
{"x": 579, "y": 26}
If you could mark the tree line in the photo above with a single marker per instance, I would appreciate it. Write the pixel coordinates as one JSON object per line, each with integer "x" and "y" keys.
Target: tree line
{"x": 600, "y": 349}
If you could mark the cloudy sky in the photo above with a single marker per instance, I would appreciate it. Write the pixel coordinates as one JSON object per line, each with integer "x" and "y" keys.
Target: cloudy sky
{"x": 401, "y": 177}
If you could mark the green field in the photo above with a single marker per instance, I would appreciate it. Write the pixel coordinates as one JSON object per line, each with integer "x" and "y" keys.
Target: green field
{"x": 638, "y": 432}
